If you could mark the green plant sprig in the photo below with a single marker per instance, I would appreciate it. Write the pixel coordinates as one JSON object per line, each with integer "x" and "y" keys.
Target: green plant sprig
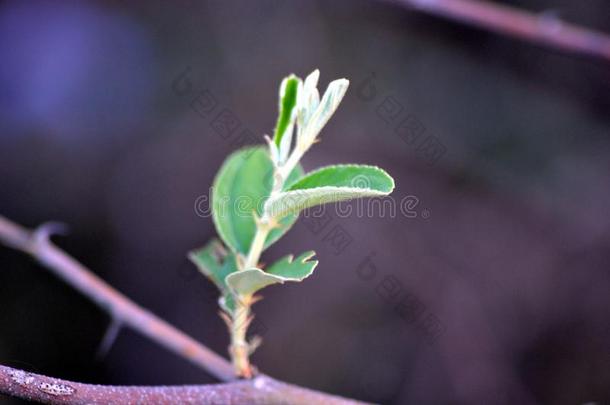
{"x": 257, "y": 196}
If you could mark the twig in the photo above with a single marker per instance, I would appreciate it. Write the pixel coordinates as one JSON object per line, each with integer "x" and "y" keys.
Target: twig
{"x": 260, "y": 390}
{"x": 542, "y": 29}
{"x": 120, "y": 308}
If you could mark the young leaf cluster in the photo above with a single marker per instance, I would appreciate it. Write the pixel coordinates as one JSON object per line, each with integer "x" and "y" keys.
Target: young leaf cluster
{"x": 258, "y": 195}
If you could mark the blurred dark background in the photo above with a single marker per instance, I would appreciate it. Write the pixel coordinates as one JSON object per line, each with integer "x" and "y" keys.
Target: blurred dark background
{"x": 494, "y": 289}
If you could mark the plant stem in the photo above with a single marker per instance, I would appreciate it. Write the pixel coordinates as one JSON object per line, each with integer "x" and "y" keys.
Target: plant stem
{"x": 294, "y": 158}
{"x": 258, "y": 243}
{"x": 240, "y": 348}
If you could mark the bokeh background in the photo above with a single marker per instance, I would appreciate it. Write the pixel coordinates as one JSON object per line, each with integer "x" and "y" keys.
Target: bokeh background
{"x": 494, "y": 289}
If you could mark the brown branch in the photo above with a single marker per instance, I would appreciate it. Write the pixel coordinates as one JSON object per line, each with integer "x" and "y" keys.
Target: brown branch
{"x": 541, "y": 29}
{"x": 120, "y": 308}
{"x": 260, "y": 390}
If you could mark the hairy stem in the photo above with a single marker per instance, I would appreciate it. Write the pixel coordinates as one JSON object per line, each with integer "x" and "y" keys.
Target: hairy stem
{"x": 240, "y": 348}
{"x": 258, "y": 243}
{"x": 294, "y": 159}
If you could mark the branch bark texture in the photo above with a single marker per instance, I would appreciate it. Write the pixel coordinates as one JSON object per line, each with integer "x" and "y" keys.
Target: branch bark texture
{"x": 260, "y": 390}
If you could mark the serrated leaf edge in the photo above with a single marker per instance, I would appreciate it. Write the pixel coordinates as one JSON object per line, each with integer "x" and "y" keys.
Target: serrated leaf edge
{"x": 303, "y": 258}
{"x": 276, "y": 279}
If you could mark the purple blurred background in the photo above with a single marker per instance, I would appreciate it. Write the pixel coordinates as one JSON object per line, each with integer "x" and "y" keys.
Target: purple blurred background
{"x": 494, "y": 289}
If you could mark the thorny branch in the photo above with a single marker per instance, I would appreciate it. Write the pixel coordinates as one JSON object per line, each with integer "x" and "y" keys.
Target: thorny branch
{"x": 119, "y": 307}
{"x": 261, "y": 390}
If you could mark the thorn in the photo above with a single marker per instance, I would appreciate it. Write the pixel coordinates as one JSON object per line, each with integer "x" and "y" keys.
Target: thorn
{"x": 48, "y": 229}
{"x": 254, "y": 344}
{"x": 255, "y": 299}
{"x": 226, "y": 319}
{"x": 109, "y": 338}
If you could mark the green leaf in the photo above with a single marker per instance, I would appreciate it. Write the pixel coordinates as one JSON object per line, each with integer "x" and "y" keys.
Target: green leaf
{"x": 317, "y": 119}
{"x": 308, "y": 98}
{"x": 216, "y": 263}
{"x": 251, "y": 280}
{"x": 288, "y": 101}
{"x": 240, "y": 189}
{"x": 294, "y": 269}
{"x": 330, "y": 184}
